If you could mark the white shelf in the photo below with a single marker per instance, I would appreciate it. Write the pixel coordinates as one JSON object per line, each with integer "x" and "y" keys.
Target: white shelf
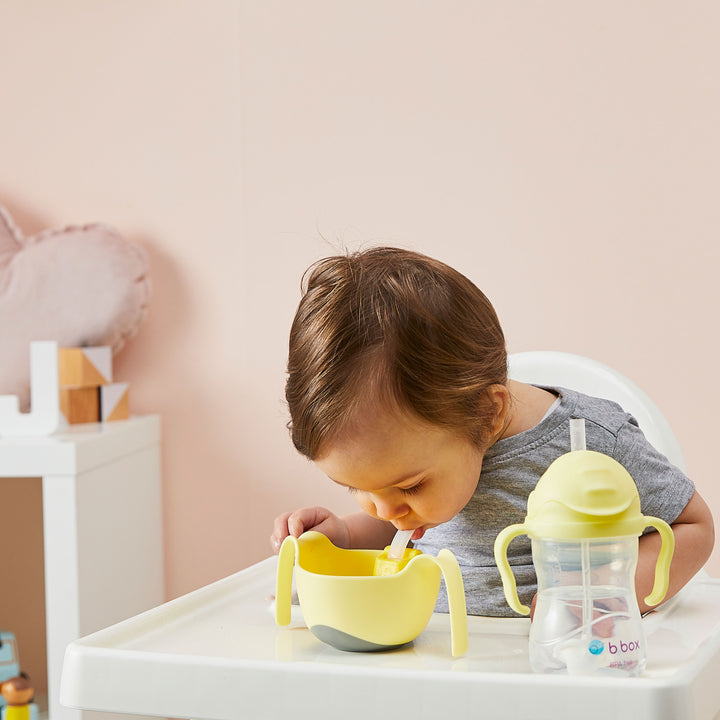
{"x": 102, "y": 528}
{"x": 216, "y": 653}
{"x": 78, "y": 449}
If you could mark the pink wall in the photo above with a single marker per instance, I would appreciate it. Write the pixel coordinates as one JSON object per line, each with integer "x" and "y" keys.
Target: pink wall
{"x": 563, "y": 155}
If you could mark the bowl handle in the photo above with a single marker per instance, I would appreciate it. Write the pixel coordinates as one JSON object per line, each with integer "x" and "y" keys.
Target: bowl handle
{"x": 283, "y": 580}
{"x": 456, "y": 600}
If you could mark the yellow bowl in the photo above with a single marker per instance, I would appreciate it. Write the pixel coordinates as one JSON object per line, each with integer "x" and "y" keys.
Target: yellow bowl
{"x": 349, "y": 607}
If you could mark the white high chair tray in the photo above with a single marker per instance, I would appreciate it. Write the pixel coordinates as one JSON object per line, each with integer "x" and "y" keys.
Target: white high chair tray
{"x": 216, "y": 654}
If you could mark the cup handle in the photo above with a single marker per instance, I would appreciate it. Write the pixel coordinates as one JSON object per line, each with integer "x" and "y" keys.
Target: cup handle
{"x": 508, "y": 579}
{"x": 662, "y": 567}
{"x": 283, "y": 581}
{"x": 456, "y": 600}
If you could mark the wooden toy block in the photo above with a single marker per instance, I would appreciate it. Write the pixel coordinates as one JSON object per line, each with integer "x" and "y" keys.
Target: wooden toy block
{"x": 80, "y": 405}
{"x": 85, "y": 366}
{"x": 114, "y": 402}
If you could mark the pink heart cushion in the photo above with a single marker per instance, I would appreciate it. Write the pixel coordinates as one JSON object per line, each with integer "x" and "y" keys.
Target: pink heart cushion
{"x": 82, "y": 285}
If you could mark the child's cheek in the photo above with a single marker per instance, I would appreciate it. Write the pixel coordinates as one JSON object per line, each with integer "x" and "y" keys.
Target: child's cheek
{"x": 366, "y": 505}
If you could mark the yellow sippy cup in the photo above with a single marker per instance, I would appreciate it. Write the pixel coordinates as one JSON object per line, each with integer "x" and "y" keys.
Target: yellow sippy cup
{"x": 362, "y": 600}
{"x": 584, "y": 520}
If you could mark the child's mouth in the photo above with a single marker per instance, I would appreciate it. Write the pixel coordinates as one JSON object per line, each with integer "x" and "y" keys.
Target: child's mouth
{"x": 418, "y": 533}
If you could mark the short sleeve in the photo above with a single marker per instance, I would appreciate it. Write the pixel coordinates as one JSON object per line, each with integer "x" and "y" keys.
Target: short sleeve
{"x": 664, "y": 489}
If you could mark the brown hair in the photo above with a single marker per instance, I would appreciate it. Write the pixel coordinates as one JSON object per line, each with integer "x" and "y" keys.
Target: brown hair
{"x": 396, "y": 326}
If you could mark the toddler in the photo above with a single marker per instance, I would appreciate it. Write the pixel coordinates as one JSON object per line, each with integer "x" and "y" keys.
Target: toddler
{"x": 397, "y": 389}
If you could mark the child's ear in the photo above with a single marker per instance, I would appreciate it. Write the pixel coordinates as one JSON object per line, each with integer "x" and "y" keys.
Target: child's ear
{"x": 499, "y": 396}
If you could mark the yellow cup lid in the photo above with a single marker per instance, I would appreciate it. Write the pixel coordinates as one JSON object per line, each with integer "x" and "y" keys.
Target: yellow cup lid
{"x": 584, "y": 494}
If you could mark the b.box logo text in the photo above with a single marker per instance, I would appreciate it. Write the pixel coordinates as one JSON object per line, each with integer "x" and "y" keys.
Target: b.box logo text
{"x": 623, "y": 647}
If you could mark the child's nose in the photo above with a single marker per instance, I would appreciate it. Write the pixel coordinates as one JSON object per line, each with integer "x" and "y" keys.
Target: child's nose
{"x": 390, "y": 507}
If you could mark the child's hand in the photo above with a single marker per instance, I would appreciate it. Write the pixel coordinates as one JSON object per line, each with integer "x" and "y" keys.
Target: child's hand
{"x": 311, "y": 518}
{"x": 604, "y": 614}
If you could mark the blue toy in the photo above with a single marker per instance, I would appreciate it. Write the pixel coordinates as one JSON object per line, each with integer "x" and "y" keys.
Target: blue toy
{"x": 9, "y": 662}
{"x": 10, "y": 670}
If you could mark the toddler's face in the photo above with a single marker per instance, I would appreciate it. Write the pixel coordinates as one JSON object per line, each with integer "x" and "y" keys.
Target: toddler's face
{"x": 406, "y": 471}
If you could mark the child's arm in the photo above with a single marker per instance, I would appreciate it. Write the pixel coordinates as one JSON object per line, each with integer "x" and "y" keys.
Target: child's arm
{"x": 694, "y": 540}
{"x": 352, "y": 531}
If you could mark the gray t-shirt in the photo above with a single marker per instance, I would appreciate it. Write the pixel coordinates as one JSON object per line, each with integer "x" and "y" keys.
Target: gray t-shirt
{"x": 510, "y": 471}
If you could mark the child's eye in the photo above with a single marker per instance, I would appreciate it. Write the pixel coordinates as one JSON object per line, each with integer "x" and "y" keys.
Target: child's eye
{"x": 352, "y": 490}
{"x": 412, "y": 490}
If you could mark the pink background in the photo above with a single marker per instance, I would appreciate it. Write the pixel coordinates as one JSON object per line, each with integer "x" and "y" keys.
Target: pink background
{"x": 563, "y": 155}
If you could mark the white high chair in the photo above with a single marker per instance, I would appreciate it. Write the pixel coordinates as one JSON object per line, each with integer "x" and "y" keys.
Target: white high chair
{"x": 575, "y": 372}
{"x": 217, "y": 654}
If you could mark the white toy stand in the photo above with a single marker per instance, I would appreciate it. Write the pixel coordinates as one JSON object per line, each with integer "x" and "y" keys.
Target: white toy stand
{"x": 44, "y": 415}
{"x": 102, "y": 527}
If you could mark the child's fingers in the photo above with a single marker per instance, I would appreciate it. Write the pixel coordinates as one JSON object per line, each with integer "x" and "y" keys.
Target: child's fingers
{"x": 309, "y": 518}
{"x": 296, "y": 523}
{"x": 280, "y": 531}
{"x": 604, "y": 616}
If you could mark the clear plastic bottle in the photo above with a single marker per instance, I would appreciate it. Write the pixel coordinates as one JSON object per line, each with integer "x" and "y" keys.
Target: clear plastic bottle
{"x": 584, "y": 521}
{"x": 586, "y": 617}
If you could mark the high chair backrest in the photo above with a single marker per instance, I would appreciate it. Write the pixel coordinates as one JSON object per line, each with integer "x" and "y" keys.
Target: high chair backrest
{"x": 593, "y": 378}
